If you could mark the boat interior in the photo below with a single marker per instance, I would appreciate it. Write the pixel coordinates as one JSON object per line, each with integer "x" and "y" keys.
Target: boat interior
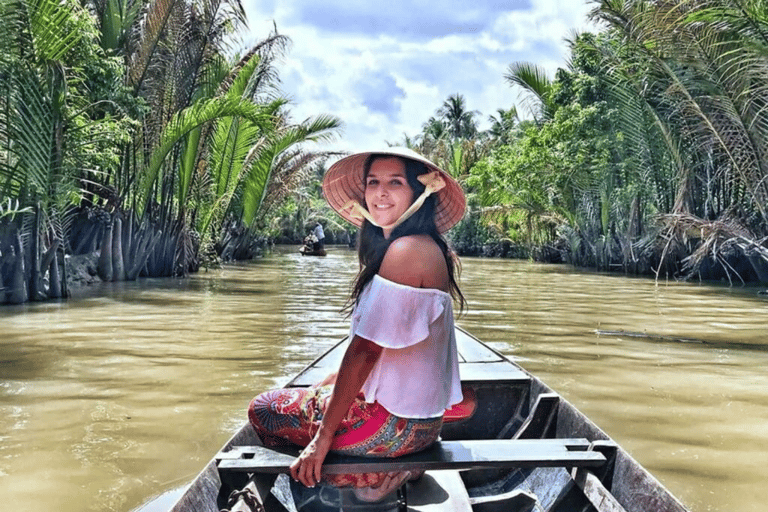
{"x": 509, "y": 406}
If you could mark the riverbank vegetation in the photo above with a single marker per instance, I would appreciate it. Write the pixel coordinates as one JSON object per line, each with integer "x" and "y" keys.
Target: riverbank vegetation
{"x": 132, "y": 134}
{"x": 649, "y": 150}
{"x": 647, "y": 154}
{"x": 134, "y": 137}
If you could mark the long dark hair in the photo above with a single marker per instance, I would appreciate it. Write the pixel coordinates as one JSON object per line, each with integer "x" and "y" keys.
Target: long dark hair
{"x": 372, "y": 246}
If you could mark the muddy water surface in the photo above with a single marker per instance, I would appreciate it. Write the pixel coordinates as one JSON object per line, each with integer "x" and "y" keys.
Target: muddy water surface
{"x": 117, "y": 396}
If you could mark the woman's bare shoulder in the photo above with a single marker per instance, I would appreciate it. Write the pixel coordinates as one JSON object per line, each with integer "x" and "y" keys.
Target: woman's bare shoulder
{"x": 415, "y": 260}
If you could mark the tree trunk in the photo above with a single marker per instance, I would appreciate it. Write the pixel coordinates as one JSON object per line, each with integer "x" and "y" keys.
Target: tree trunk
{"x": 50, "y": 254}
{"x": 128, "y": 242}
{"x": 144, "y": 245}
{"x": 35, "y": 281}
{"x": 18, "y": 292}
{"x": 118, "y": 267}
{"x": 54, "y": 290}
{"x": 105, "y": 257}
{"x": 50, "y": 262}
{"x": 64, "y": 286}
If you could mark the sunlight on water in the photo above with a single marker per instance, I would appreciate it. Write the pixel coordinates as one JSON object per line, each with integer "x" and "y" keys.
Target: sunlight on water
{"x": 126, "y": 392}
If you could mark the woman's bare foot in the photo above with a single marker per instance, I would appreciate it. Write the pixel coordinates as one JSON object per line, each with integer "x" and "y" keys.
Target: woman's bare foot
{"x": 391, "y": 482}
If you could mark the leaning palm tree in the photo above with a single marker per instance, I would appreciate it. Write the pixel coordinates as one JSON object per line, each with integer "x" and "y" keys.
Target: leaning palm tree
{"x": 246, "y": 156}
{"x": 537, "y": 89}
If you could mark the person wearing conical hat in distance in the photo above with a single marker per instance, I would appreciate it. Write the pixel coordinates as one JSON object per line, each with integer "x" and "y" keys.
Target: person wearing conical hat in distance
{"x": 400, "y": 371}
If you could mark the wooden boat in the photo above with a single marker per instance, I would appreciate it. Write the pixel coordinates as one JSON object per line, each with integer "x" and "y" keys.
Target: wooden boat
{"x": 309, "y": 251}
{"x": 514, "y": 411}
{"x": 308, "y": 247}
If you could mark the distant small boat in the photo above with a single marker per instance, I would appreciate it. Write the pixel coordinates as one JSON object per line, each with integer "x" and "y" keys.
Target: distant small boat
{"x": 311, "y": 247}
{"x": 511, "y": 411}
{"x": 308, "y": 251}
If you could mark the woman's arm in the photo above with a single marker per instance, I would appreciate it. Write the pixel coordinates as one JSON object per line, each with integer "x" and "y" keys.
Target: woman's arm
{"x": 358, "y": 361}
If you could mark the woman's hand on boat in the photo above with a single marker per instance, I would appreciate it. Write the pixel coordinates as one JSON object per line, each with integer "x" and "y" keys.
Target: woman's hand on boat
{"x": 307, "y": 468}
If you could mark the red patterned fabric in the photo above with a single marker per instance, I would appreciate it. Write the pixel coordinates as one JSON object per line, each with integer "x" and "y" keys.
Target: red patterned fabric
{"x": 464, "y": 409}
{"x": 368, "y": 429}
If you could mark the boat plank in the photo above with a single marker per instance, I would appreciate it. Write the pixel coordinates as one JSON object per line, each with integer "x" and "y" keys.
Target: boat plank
{"x": 518, "y": 500}
{"x": 500, "y": 371}
{"x": 469, "y": 351}
{"x": 470, "y": 454}
{"x": 202, "y": 492}
{"x": 472, "y": 351}
{"x": 321, "y": 367}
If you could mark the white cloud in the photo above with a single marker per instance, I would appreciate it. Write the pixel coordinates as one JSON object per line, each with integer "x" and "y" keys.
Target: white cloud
{"x": 384, "y": 69}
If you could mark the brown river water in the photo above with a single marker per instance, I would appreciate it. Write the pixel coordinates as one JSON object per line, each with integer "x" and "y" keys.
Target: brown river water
{"x": 125, "y": 392}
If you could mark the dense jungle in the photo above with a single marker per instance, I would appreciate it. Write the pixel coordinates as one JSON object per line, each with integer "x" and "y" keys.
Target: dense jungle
{"x": 137, "y": 138}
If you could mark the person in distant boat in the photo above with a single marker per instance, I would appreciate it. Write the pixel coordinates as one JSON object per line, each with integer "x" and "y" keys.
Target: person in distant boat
{"x": 400, "y": 372}
{"x": 319, "y": 245}
{"x": 310, "y": 241}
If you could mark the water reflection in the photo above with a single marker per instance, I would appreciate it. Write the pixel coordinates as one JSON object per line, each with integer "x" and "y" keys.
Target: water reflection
{"x": 128, "y": 391}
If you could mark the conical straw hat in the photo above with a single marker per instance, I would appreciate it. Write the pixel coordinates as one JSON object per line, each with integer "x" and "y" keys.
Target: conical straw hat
{"x": 345, "y": 182}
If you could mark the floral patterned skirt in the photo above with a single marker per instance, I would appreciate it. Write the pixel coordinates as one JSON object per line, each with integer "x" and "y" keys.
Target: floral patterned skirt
{"x": 368, "y": 429}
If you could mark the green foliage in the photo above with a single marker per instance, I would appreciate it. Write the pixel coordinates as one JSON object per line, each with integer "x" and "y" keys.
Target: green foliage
{"x": 473, "y": 232}
{"x": 541, "y": 178}
{"x": 661, "y": 117}
{"x": 292, "y": 218}
{"x": 200, "y": 113}
{"x": 55, "y": 126}
{"x": 689, "y": 81}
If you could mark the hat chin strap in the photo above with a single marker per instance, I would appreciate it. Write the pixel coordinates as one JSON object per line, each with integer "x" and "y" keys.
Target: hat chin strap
{"x": 433, "y": 183}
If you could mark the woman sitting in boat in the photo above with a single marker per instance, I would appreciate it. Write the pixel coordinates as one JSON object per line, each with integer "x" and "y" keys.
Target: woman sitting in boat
{"x": 400, "y": 371}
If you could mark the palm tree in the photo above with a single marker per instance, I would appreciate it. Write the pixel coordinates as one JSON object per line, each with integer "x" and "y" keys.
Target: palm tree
{"x": 249, "y": 146}
{"x": 197, "y": 145}
{"x": 503, "y": 125}
{"x": 459, "y": 121}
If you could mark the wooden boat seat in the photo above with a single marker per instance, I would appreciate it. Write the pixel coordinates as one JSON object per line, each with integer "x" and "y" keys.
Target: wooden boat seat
{"x": 455, "y": 455}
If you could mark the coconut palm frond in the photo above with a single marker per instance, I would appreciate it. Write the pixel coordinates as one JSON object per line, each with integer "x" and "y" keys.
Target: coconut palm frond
{"x": 536, "y": 86}
{"x": 198, "y": 114}
{"x": 256, "y": 181}
{"x": 30, "y": 125}
{"x": 152, "y": 23}
{"x": 701, "y": 89}
{"x": 296, "y": 167}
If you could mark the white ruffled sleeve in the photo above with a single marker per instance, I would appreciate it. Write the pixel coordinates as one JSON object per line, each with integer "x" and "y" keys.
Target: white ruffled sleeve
{"x": 394, "y": 315}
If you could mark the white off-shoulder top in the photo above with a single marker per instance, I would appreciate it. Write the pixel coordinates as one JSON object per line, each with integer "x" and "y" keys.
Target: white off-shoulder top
{"x": 417, "y": 375}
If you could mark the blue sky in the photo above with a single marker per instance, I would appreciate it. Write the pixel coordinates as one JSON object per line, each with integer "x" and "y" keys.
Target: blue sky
{"x": 384, "y": 68}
